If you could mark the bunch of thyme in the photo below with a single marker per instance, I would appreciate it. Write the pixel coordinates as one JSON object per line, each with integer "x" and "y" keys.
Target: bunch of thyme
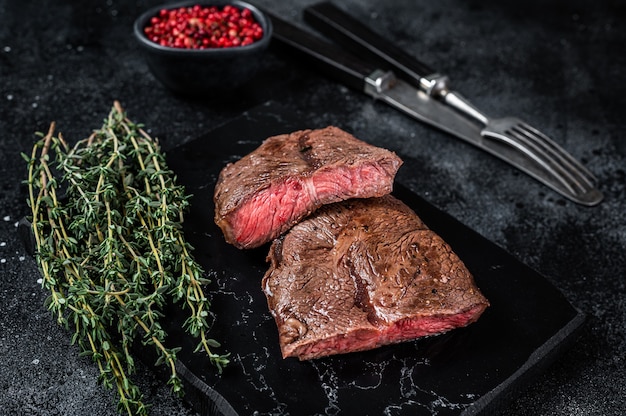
{"x": 106, "y": 217}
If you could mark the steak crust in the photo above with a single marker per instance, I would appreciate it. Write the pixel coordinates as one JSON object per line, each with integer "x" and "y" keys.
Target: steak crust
{"x": 289, "y": 176}
{"x": 364, "y": 273}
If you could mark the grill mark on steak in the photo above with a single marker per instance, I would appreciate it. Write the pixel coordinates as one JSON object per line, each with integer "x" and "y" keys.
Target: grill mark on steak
{"x": 361, "y": 294}
{"x": 374, "y": 274}
{"x": 306, "y": 151}
{"x": 289, "y": 176}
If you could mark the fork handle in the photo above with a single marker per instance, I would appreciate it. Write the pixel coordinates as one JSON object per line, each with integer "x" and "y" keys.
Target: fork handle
{"x": 362, "y": 41}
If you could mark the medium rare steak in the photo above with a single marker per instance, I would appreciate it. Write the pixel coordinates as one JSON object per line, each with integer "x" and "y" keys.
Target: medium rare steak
{"x": 364, "y": 273}
{"x": 291, "y": 175}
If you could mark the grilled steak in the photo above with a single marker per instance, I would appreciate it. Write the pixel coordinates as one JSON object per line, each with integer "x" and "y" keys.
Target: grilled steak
{"x": 289, "y": 176}
{"x": 364, "y": 273}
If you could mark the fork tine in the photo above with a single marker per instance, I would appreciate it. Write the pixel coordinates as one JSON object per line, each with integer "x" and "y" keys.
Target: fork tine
{"x": 579, "y": 176}
{"x": 562, "y": 153}
{"x": 546, "y": 161}
{"x": 552, "y": 158}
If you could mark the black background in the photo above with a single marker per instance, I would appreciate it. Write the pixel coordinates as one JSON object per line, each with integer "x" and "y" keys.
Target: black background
{"x": 558, "y": 64}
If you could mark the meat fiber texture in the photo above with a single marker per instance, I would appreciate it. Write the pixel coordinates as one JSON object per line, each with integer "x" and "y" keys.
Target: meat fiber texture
{"x": 289, "y": 176}
{"x": 364, "y": 273}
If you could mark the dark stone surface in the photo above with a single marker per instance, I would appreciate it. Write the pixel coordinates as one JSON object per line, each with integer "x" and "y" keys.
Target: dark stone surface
{"x": 559, "y": 64}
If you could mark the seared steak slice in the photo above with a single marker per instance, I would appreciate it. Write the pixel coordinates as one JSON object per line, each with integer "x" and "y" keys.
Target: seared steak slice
{"x": 289, "y": 176}
{"x": 364, "y": 273}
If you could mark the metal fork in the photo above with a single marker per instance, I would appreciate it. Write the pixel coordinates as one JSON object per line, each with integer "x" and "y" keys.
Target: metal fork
{"x": 520, "y": 135}
{"x": 509, "y": 138}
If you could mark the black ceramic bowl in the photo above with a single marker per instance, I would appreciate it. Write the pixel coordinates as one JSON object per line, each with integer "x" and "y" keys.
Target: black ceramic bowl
{"x": 203, "y": 71}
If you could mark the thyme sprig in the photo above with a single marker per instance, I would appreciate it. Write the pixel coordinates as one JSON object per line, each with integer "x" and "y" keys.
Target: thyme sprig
{"x": 107, "y": 220}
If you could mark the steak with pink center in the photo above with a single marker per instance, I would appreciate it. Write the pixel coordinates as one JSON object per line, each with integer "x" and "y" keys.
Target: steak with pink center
{"x": 359, "y": 274}
{"x": 289, "y": 176}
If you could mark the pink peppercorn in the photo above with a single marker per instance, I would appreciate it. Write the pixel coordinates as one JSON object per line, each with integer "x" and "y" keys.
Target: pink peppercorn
{"x": 203, "y": 27}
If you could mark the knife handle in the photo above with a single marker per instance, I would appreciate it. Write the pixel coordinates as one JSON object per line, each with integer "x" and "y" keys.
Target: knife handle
{"x": 362, "y": 41}
{"x": 335, "y": 62}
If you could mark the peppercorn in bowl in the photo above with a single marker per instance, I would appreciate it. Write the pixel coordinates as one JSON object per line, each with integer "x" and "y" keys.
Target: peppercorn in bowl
{"x": 196, "y": 47}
